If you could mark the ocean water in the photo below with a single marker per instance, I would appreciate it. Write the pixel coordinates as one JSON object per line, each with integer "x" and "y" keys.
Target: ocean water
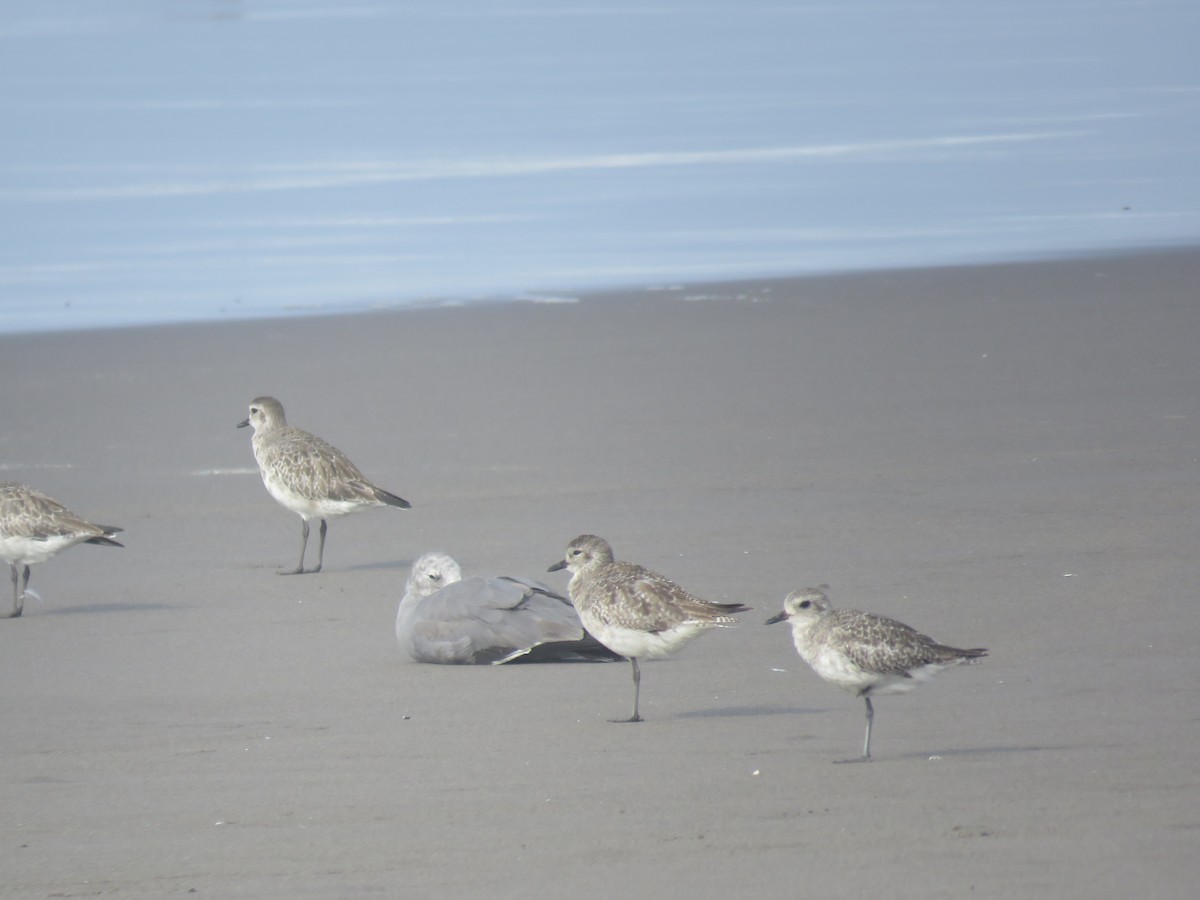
{"x": 218, "y": 159}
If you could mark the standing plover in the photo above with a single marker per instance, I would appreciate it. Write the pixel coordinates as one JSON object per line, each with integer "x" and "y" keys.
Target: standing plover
{"x": 863, "y": 653}
{"x": 34, "y": 527}
{"x": 444, "y": 618}
{"x": 633, "y": 611}
{"x": 303, "y": 473}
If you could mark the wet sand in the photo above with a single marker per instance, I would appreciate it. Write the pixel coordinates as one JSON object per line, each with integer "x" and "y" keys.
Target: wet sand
{"x": 1002, "y": 456}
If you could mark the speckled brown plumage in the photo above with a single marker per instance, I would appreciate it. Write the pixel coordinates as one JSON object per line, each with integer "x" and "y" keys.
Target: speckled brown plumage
{"x": 307, "y": 475}
{"x": 633, "y": 611}
{"x": 864, "y": 653}
{"x": 34, "y": 527}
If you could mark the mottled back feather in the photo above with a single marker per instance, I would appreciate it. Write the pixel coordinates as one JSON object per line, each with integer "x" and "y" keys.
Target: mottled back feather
{"x": 311, "y": 467}
{"x": 648, "y": 601}
{"x": 28, "y": 513}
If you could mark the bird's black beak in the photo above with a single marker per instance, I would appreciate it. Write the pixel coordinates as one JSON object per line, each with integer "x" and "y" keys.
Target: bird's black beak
{"x": 243, "y": 423}
{"x": 561, "y": 564}
{"x": 779, "y": 617}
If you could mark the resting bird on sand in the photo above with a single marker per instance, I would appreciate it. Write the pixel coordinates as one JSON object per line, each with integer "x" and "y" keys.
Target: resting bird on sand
{"x": 34, "y": 527}
{"x": 633, "y": 611}
{"x": 313, "y": 479}
{"x": 863, "y": 653}
{"x": 445, "y": 618}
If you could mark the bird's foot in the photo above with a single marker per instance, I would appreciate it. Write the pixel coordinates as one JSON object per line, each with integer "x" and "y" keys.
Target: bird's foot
{"x": 856, "y": 759}
{"x": 624, "y": 721}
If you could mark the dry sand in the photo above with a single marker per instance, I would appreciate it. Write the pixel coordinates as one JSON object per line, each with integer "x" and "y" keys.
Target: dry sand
{"x": 1002, "y": 456}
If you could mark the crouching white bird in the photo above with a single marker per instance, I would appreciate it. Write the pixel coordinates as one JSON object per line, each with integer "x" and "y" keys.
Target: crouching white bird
{"x": 445, "y": 618}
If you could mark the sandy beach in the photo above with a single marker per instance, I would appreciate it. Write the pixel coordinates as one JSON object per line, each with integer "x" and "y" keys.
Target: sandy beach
{"x": 1002, "y": 456}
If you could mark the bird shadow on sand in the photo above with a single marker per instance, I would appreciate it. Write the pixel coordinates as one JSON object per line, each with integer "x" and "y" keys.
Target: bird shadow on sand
{"x": 385, "y": 566}
{"x": 93, "y": 608}
{"x": 746, "y": 711}
{"x": 968, "y": 752}
{"x": 396, "y": 565}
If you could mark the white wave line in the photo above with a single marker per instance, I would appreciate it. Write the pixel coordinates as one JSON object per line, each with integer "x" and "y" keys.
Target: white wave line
{"x": 308, "y": 177}
{"x": 12, "y": 467}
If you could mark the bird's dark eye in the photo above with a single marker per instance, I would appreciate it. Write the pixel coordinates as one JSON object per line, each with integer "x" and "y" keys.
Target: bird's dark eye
{"x": 806, "y": 604}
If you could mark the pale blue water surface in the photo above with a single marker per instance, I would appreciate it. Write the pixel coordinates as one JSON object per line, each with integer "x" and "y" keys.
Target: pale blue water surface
{"x": 173, "y": 160}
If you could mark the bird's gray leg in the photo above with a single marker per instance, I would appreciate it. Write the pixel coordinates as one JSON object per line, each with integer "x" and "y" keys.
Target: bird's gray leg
{"x": 321, "y": 549}
{"x": 866, "y": 757}
{"x": 299, "y": 570}
{"x": 870, "y": 722}
{"x": 637, "y": 690}
{"x": 18, "y": 593}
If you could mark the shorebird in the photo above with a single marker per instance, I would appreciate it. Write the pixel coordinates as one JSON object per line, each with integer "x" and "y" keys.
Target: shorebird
{"x": 863, "y": 653}
{"x": 633, "y": 611}
{"x": 303, "y": 473}
{"x": 444, "y": 618}
{"x": 33, "y": 528}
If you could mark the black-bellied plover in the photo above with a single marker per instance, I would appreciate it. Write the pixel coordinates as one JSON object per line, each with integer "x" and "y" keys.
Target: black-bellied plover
{"x": 303, "y": 473}
{"x": 444, "y": 618}
{"x": 633, "y": 611}
{"x": 34, "y": 527}
{"x": 863, "y": 653}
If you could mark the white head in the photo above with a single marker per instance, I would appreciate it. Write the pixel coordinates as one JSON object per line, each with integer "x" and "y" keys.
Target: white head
{"x": 803, "y": 605}
{"x": 585, "y": 551}
{"x": 430, "y": 573}
{"x": 265, "y": 413}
